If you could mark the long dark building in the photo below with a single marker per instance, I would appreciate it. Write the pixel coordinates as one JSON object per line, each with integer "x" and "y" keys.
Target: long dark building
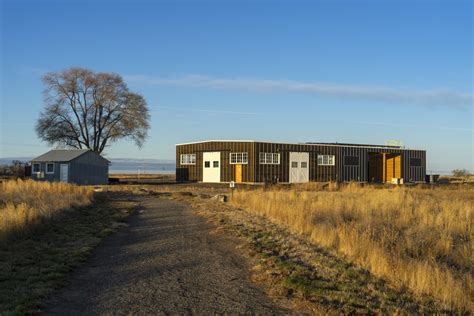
{"x": 257, "y": 162}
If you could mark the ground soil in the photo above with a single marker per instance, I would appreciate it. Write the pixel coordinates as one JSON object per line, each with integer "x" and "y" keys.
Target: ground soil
{"x": 166, "y": 261}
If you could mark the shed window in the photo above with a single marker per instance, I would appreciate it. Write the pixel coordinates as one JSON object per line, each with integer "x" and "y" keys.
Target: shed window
{"x": 216, "y": 164}
{"x": 304, "y": 165}
{"x": 269, "y": 159}
{"x": 207, "y": 164}
{"x": 239, "y": 158}
{"x": 50, "y": 167}
{"x": 188, "y": 159}
{"x": 415, "y": 162}
{"x": 326, "y": 160}
{"x": 294, "y": 164}
{"x": 36, "y": 167}
{"x": 351, "y": 160}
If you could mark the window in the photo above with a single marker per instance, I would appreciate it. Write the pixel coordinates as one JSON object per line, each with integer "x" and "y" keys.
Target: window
{"x": 294, "y": 164}
{"x": 188, "y": 159}
{"x": 207, "y": 164}
{"x": 351, "y": 160}
{"x": 304, "y": 165}
{"x": 239, "y": 158}
{"x": 326, "y": 160}
{"x": 50, "y": 167}
{"x": 415, "y": 162}
{"x": 269, "y": 159}
{"x": 36, "y": 167}
{"x": 216, "y": 164}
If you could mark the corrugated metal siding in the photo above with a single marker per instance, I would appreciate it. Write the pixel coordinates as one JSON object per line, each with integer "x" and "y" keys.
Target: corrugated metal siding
{"x": 265, "y": 172}
{"x": 411, "y": 173}
{"x": 256, "y": 172}
{"x": 194, "y": 172}
{"x": 352, "y": 172}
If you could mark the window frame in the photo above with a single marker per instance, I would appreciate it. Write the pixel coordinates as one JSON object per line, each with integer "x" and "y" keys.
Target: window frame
{"x": 50, "y": 163}
{"x": 33, "y": 167}
{"x": 326, "y": 160}
{"x": 236, "y": 160}
{"x": 266, "y": 158}
{"x": 187, "y": 159}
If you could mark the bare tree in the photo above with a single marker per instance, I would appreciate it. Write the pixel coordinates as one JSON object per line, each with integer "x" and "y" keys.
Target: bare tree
{"x": 84, "y": 109}
{"x": 460, "y": 173}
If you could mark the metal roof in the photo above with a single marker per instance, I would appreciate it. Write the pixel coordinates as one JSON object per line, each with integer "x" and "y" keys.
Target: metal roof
{"x": 355, "y": 145}
{"x": 215, "y": 141}
{"x": 307, "y": 143}
{"x": 57, "y": 155}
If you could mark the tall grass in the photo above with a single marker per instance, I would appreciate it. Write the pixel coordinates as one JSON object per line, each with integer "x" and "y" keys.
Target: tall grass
{"x": 23, "y": 204}
{"x": 417, "y": 239}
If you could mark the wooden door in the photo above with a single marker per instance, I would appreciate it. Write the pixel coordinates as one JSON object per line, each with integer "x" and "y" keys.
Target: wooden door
{"x": 393, "y": 167}
{"x": 238, "y": 173}
{"x": 398, "y": 166}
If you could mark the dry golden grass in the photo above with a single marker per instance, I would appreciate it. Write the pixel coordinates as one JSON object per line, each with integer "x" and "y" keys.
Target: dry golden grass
{"x": 23, "y": 204}
{"x": 416, "y": 239}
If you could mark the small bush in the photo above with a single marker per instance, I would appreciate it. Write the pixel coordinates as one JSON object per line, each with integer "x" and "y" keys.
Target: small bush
{"x": 460, "y": 173}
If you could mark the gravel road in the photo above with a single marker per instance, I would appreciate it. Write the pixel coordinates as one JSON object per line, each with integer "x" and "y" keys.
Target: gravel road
{"x": 165, "y": 262}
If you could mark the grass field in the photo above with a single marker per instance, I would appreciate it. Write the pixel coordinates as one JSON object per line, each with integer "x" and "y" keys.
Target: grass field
{"x": 416, "y": 239}
{"x": 24, "y": 204}
{"x": 46, "y": 230}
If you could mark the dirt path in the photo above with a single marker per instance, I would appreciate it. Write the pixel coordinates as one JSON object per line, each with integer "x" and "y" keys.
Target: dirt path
{"x": 164, "y": 262}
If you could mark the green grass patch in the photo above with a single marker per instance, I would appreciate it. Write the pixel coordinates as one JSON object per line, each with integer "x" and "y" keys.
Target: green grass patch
{"x": 34, "y": 264}
{"x": 308, "y": 286}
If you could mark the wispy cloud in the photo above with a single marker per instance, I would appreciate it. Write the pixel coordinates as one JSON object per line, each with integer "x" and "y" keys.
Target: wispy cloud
{"x": 371, "y": 93}
{"x": 211, "y": 111}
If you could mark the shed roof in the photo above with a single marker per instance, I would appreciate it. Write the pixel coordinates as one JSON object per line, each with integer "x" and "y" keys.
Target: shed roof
{"x": 57, "y": 155}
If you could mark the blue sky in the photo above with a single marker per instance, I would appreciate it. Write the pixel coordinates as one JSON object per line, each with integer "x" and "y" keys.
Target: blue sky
{"x": 345, "y": 71}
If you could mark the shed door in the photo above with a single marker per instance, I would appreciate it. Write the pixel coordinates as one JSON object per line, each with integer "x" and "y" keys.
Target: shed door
{"x": 211, "y": 167}
{"x": 64, "y": 172}
{"x": 299, "y": 167}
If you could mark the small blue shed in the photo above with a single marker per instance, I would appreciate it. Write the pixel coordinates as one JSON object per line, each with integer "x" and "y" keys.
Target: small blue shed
{"x": 80, "y": 166}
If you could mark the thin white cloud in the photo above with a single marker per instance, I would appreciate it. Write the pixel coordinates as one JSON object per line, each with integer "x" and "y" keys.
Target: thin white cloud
{"x": 211, "y": 111}
{"x": 371, "y": 93}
